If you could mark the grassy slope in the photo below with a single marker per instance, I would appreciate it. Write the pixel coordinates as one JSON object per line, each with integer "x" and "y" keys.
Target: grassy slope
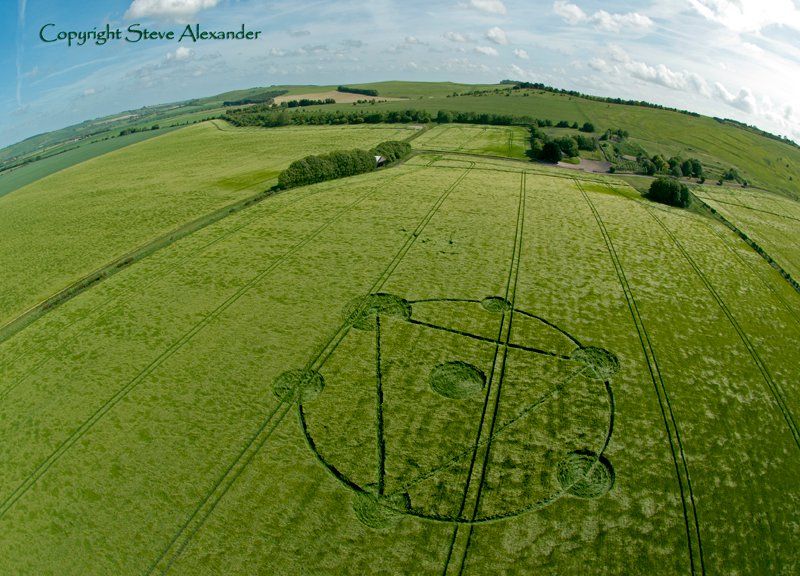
{"x": 66, "y": 225}
{"x": 193, "y": 336}
{"x": 511, "y": 142}
{"x": 15, "y": 178}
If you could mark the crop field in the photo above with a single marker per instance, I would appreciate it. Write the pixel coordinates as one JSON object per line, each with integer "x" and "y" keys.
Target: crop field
{"x": 769, "y": 220}
{"x": 15, "y": 178}
{"x": 455, "y": 366}
{"x": 65, "y": 226}
{"x": 509, "y": 141}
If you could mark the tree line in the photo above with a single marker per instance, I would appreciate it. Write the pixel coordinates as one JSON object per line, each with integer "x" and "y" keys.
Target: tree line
{"x": 340, "y": 164}
{"x": 362, "y": 91}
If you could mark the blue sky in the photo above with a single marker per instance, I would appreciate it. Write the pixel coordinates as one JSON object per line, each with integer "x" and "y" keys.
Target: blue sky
{"x": 731, "y": 58}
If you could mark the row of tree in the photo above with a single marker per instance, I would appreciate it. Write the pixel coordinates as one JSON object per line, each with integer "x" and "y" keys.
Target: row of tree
{"x": 339, "y": 164}
{"x": 307, "y": 102}
{"x": 362, "y": 91}
{"x": 268, "y": 117}
{"x": 674, "y": 166}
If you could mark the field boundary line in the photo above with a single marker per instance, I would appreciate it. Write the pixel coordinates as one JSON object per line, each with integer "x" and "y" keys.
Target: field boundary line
{"x": 750, "y": 242}
{"x": 792, "y": 312}
{"x": 174, "y": 347}
{"x": 489, "y": 388}
{"x": 23, "y": 319}
{"x": 658, "y": 382}
{"x": 774, "y": 387}
{"x": 143, "y": 285}
{"x": 516, "y": 264}
{"x": 315, "y": 362}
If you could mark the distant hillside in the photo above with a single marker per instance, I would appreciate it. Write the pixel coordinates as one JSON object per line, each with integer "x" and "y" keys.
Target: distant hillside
{"x": 765, "y": 161}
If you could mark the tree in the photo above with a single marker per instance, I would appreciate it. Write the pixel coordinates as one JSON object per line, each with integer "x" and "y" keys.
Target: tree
{"x": 568, "y": 146}
{"x": 669, "y": 191}
{"x": 551, "y": 152}
{"x": 676, "y": 171}
{"x": 587, "y": 127}
{"x": 697, "y": 168}
{"x": 686, "y": 168}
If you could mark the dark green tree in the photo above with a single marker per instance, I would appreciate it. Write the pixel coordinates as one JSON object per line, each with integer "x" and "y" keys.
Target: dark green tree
{"x": 669, "y": 191}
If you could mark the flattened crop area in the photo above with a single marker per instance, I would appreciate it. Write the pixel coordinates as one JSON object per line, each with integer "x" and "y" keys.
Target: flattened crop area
{"x": 508, "y": 141}
{"x": 773, "y": 222}
{"x": 449, "y": 367}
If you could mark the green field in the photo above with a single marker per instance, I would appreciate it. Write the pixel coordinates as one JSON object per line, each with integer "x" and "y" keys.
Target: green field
{"x": 67, "y": 225}
{"x": 508, "y": 141}
{"x": 453, "y": 366}
{"x": 770, "y": 221}
{"x": 15, "y": 178}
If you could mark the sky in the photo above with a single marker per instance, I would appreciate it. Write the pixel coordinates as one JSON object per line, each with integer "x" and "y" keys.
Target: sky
{"x": 729, "y": 58}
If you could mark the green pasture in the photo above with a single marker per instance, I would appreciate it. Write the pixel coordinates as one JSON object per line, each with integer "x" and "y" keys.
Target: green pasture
{"x": 454, "y": 366}
{"x": 60, "y": 228}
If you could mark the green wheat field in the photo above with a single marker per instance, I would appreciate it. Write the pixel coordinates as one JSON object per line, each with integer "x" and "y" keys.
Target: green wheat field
{"x": 466, "y": 363}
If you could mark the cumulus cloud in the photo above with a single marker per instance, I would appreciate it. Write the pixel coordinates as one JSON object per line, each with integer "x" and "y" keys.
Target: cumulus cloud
{"x": 521, "y": 54}
{"x": 487, "y": 51}
{"x": 744, "y": 100}
{"x": 629, "y": 21}
{"x": 497, "y": 35}
{"x": 179, "y": 10}
{"x": 455, "y": 37}
{"x": 749, "y": 15}
{"x": 489, "y": 6}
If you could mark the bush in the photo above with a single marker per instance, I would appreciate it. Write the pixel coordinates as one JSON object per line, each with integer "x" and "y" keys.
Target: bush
{"x": 551, "y": 152}
{"x": 587, "y": 127}
{"x": 568, "y": 146}
{"x": 669, "y": 191}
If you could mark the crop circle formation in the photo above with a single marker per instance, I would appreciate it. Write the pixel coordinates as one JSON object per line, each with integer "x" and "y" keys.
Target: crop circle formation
{"x": 555, "y": 424}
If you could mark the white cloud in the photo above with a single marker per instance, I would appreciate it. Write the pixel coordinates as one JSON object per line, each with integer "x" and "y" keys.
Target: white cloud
{"x": 487, "y": 51}
{"x": 413, "y": 41}
{"x": 630, "y": 21}
{"x": 497, "y": 35}
{"x": 180, "y": 10}
{"x": 490, "y": 6}
{"x": 455, "y": 37}
{"x": 181, "y": 53}
{"x": 521, "y": 54}
{"x": 599, "y": 64}
{"x": 518, "y": 72}
{"x": 749, "y": 15}
{"x": 89, "y": 92}
{"x": 744, "y": 100}
{"x": 570, "y": 12}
